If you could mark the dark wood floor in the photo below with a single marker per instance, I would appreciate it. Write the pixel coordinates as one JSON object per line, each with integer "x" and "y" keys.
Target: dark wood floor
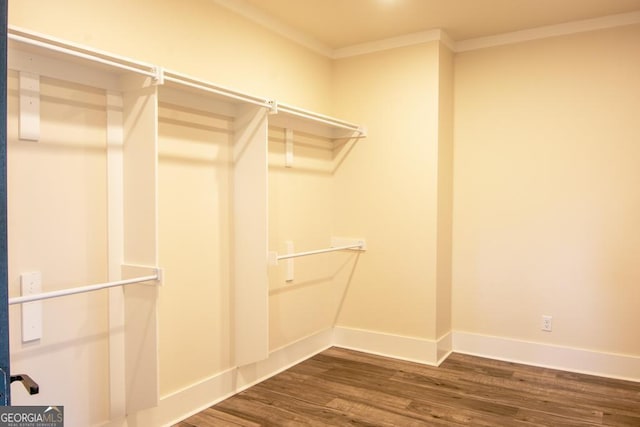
{"x": 341, "y": 387}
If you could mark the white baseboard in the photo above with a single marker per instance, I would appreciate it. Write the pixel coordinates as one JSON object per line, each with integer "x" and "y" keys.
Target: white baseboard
{"x": 399, "y": 347}
{"x": 570, "y": 359}
{"x": 183, "y": 403}
{"x": 197, "y": 397}
{"x": 444, "y": 346}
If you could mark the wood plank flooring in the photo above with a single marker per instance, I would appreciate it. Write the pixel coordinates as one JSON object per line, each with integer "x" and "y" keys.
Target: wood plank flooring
{"x": 341, "y": 387}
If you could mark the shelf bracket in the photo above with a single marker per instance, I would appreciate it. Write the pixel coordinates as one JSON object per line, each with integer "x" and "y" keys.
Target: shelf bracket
{"x": 29, "y": 129}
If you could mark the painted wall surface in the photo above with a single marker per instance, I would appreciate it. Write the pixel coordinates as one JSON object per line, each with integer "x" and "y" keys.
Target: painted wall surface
{"x": 445, "y": 192}
{"x": 57, "y": 220}
{"x": 195, "y": 37}
{"x": 300, "y": 211}
{"x": 194, "y": 187}
{"x": 386, "y": 189}
{"x": 546, "y": 190}
{"x": 538, "y": 215}
{"x": 195, "y": 240}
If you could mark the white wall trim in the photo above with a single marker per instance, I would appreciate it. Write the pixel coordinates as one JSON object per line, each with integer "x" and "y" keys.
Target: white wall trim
{"x": 394, "y": 43}
{"x": 444, "y": 346}
{"x": 625, "y": 367}
{"x": 272, "y": 24}
{"x": 412, "y": 349}
{"x": 604, "y": 22}
{"x": 251, "y": 13}
{"x": 567, "y": 28}
{"x": 190, "y": 400}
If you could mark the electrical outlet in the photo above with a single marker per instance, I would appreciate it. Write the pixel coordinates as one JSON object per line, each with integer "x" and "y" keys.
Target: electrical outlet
{"x": 547, "y": 323}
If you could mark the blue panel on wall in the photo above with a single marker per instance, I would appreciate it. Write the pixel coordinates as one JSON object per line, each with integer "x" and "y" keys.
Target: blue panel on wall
{"x": 5, "y": 382}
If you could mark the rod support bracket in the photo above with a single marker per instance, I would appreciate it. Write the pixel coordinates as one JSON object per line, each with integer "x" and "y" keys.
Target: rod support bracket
{"x": 160, "y": 273}
{"x": 344, "y": 241}
{"x": 158, "y": 78}
{"x": 273, "y": 105}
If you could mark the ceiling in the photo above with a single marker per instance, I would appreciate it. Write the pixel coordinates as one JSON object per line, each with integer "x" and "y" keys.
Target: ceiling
{"x": 336, "y": 24}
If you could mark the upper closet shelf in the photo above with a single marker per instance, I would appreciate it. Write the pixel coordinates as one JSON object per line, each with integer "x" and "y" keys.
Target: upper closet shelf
{"x": 187, "y": 90}
{"x": 289, "y": 117}
{"x": 40, "y": 54}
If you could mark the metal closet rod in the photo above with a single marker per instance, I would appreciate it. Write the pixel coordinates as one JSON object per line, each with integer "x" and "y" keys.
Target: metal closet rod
{"x": 319, "y": 251}
{"x": 83, "y": 289}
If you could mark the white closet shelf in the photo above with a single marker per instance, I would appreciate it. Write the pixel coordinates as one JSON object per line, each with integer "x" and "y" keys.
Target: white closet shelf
{"x": 46, "y": 55}
{"x": 290, "y": 117}
{"x": 31, "y": 51}
{"x": 202, "y": 87}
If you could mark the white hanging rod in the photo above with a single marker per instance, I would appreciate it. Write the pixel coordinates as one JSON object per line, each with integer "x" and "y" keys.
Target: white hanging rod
{"x": 206, "y": 87}
{"x": 320, "y": 118}
{"x": 320, "y": 251}
{"x": 114, "y": 62}
{"x": 83, "y": 289}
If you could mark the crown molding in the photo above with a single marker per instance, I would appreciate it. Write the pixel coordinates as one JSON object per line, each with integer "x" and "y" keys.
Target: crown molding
{"x": 394, "y": 42}
{"x": 567, "y": 28}
{"x": 272, "y": 24}
{"x": 267, "y": 21}
{"x": 610, "y": 21}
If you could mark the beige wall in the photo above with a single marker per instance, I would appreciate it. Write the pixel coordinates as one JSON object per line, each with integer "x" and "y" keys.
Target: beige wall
{"x": 546, "y": 190}
{"x": 544, "y": 213}
{"x": 57, "y": 220}
{"x": 195, "y": 240}
{"x": 300, "y": 211}
{"x": 386, "y": 190}
{"x": 194, "y": 192}
{"x": 445, "y": 192}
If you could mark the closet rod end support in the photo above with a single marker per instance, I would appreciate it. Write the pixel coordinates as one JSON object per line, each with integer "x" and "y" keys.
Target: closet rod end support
{"x": 273, "y": 105}
{"x": 272, "y": 258}
{"x": 158, "y": 78}
{"x": 345, "y": 241}
{"x": 159, "y": 272}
